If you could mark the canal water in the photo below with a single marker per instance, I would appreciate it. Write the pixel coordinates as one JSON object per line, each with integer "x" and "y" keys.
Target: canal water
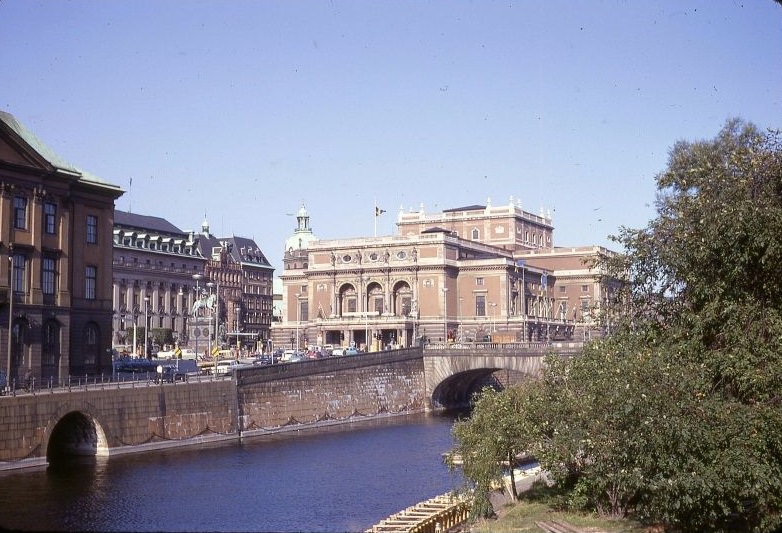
{"x": 332, "y": 480}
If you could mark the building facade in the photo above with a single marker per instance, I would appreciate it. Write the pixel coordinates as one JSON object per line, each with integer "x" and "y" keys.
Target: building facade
{"x": 153, "y": 284}
{"x": 468, "y": 273}
{"x": 55, "y": 281}
{"x": 175, "y": 288}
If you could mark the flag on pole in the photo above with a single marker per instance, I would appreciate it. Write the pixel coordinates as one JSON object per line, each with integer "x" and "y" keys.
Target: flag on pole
{"x": 379, "y": 211}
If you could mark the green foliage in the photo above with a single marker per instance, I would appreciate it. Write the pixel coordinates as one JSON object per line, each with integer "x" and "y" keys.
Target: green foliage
{"x": 675, "y": 418}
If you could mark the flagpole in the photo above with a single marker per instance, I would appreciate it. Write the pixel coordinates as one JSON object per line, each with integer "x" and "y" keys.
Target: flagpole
{"x": 375, "y": 217}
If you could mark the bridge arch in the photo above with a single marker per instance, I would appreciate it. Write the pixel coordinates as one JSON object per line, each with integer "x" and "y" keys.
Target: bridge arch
{"x": 76, "y": 433}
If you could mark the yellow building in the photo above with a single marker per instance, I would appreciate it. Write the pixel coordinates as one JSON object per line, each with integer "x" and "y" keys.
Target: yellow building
{"x": 463, "y": 274}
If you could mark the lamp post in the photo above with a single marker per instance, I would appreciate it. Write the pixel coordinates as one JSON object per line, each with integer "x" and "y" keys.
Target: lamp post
{"x": 214, "y": 314}
{"x": 445, "y": 314}
{"x": 146, "y": 330}
{"x": 197, "y": 330}
{"x": 10, "y": 317}
{"x": 237, "y": 311}
{"x": 459, "y": 320}
{"x": 493, "y": 315}
{"x": 298, "y": 316}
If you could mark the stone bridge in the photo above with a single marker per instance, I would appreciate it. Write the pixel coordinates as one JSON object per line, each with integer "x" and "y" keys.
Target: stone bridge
{"x": 111, "y": 418}
{"x": 454, "y": 372}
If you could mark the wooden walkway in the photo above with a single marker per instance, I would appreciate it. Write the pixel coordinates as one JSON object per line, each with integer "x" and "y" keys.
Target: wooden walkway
{"x": 437, "y": 515}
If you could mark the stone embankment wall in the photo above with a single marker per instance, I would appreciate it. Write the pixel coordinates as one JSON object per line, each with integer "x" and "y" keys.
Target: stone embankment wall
{"x": 340, "y": 389}
{"x": 112, "y": 418}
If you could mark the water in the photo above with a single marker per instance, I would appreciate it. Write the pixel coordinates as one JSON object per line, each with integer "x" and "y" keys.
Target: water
{"x": 344, "y": 479}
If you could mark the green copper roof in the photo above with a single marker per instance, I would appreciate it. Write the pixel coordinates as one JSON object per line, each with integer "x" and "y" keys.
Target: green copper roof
{"x": 49, "y": 155}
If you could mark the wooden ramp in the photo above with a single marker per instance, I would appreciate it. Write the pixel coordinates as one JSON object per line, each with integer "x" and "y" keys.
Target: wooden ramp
{"x": 437, "y": 515}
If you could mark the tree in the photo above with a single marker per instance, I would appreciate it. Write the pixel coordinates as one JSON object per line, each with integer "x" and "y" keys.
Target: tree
{"x": 675, "y": 418}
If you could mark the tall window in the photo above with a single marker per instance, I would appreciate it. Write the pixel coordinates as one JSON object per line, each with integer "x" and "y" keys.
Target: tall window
{"x": 50, "y": 348}
{"x": 91, "y": 282}
{"x": 19, "y": 273}
{"x": 48, "y": 278}
{"x": 20, "y": 212}
{"x": 92, "y": 229}
{"x": 480, "y": 305}
{"x": 50, "y": 218}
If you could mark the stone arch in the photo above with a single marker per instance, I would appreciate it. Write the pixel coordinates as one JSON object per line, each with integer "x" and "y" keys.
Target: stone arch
{"x": 375, "y": 298}
{"x": 76, "y": 433}
{"x": 401, "y": 298}
{"x": 347, "y": 299}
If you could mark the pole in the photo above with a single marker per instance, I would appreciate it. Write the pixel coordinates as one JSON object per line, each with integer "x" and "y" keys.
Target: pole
{"x": 197, "y": 331}
{"x": 445, "y": 314}
{"x": 146, "y": 327}
{"x": 10, "y": 317}
{"x": 298, "y": 317}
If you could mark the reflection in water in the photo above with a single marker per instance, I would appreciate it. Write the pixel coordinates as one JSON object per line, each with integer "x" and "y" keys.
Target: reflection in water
{"x": 340, "y": 479}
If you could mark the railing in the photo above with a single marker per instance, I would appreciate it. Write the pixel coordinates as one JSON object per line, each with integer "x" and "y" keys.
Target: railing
{"x": 103, "y": 382}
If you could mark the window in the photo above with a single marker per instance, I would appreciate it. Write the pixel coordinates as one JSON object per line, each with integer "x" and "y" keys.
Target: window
{"x": 480, "y": 305}
{"x": 584, "y": 288}
{"x": 379, "y": 305}
{"x": 48, "y": 278}
{"x": 91, "y": 282}
{"x": 50, "y": 218}
{"x": 20, "y": 212}
{"x": 18, "y": 274}
{"x": 479, "y": 281}
{"x": 476, "y": 234}
{"x": 562, "y": 289}
{"x": 92, "y": 229}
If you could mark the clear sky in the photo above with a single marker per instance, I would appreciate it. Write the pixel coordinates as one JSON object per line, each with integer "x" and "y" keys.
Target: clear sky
{"x": 241, "y": 111}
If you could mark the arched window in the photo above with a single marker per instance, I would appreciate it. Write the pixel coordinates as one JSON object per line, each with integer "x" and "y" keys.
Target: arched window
{"x": 476, "y": 234}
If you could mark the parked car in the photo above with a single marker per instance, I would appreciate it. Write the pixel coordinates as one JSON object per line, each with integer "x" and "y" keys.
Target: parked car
{"x": 171, "y": 374}
{"x": 338, "y": 351}
{"x": 3, "y": 382}
{"x": 351, "y": 351}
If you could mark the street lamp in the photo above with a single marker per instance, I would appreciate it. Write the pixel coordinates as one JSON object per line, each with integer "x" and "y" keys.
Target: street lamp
{"x": 197, "y": 330}
{"x": 459, "y": 320}
{"x": 445, "y": 314}
{"x": 298, "y": 317}
{"x": 146, "y": 330}
{"x": 237, "y": 311}
{"x": 215, "y": 313}
{"x": 493, "y": 315}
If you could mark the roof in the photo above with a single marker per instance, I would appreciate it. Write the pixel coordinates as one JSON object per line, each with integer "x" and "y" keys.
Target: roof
{"x": 49, "y": 155}
{"x": 145, "y": 222}
{"x": 248, "y": 252}
{"x": 466, "y": 208}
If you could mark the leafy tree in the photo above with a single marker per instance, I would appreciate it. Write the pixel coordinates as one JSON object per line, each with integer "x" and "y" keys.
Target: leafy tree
{"x": 675, "y": 418}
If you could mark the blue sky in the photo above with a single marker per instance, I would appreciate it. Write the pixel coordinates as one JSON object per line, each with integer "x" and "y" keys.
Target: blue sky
{"x": 244, "y": 110}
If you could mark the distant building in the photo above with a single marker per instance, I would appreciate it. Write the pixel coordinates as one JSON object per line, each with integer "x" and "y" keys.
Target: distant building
{"x": 474, "y": 272}
{"x": 154, "y": 289}
{"x": 164, "y": 277}
{"x": 239, "y": 269}
{"x": 56, "y": 233}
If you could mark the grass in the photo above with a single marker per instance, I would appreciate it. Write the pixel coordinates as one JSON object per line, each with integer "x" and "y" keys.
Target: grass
{"x": 521, "y": 517}
{"x": 539, "y": 504}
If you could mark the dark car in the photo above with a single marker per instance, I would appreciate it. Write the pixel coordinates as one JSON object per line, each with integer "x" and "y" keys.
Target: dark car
{"x": 3, "y": 382}
{"x": 171, "y": 374}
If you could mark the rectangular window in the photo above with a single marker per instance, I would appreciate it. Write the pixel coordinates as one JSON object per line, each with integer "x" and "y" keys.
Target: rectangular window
{"x": 480, "y": 305}
{"x": 91, "y": 282}
{"x": 48, "y": 275}
{"x": 379, "y": 305}
{"x": 92, "y": 229}
{"x": 20, "y": 212}
{"x": 304, "y": 311}
{"x": 351, "y": 305}
{"x": 19, "y": 273}
{"x": 50, "y": 218}
{"x": 584, "y": 288}
{"x": 479, "y": 281}
{"x": 562, "y": 289}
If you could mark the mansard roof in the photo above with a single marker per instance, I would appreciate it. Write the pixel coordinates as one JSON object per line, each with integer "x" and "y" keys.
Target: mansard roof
{"x": 146, "y": 223}
{"x": 247, "y": 251}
